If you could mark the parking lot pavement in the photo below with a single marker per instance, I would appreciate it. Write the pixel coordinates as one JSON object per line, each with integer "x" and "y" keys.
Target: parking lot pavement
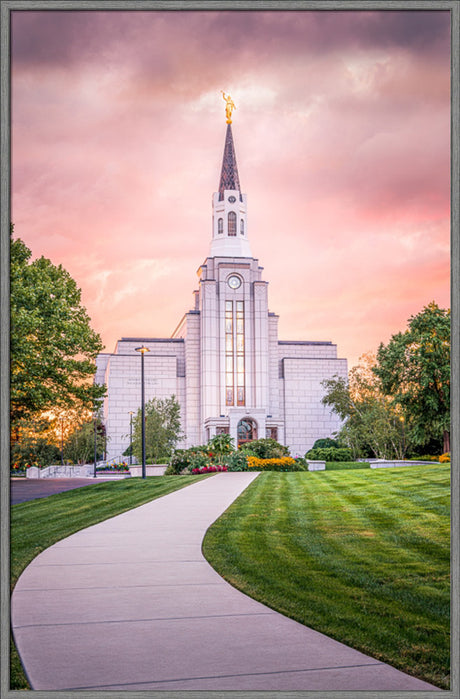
{"x": 24, "y": 489}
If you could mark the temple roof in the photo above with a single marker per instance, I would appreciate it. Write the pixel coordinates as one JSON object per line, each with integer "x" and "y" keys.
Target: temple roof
{"x": 229, "y": 174}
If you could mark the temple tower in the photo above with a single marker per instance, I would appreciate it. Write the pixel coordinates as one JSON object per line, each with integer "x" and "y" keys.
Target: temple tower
{"x": 234, "y": 318}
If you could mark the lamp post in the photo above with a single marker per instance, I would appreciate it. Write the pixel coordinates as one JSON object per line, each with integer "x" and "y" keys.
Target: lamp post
{"x": 62, "y": 441}
{"x": 143, "y": 350}
{"x": 131, "y": 413}
{"x": 95, "y": 446}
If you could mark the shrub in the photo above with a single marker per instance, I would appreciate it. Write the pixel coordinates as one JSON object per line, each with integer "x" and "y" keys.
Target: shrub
{"x": 171, "y": 470}
{"x": 329, "y": 454}
{"x": 199, "y": 460}
{"x": 34, "y": 451}
{"x": 287, "y": 463}
{"x": 301, "y": 463}
{"x": 238, "y": 461}
{"x": 424, "y": 457}
{"x": 265, "y": 449}
{"x": 182, "y": 458}
{"x": 220, "y": 445}
{"x": 326, "y": 443}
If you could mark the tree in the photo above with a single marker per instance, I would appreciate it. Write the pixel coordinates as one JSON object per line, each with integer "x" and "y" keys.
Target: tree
{"x": 52, "y": 346}
{"x": 36, "y": 444}
{"x": 162, "y": 429}
{"x": 79, "y": 446}
{"x": 372, "y": 424}
{"x": 414, "y": 370}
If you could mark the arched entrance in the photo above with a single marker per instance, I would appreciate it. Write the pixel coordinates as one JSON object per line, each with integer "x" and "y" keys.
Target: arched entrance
{"x": 247, "y": 430}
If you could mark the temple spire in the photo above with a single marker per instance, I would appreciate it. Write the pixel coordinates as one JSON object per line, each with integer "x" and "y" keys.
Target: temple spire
{"x": 229, "y": 174}
{"x": 230, "y": 234}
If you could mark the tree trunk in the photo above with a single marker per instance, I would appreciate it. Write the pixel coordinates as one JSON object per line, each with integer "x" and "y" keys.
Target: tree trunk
{"x": 446, "y": 441}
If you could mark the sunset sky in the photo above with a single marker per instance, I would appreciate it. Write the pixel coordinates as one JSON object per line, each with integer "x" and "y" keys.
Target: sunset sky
{"x": 341, "y": 132}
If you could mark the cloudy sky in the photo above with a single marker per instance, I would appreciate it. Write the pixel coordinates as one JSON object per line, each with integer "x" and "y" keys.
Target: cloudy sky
{"x": 341, "y": 132}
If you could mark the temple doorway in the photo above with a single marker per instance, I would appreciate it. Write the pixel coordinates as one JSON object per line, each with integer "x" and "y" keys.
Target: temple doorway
{"x": 247, "y": 431}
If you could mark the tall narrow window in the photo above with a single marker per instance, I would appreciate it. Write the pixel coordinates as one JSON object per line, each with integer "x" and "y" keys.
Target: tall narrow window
{"x": 240, "y": 379}
{"x": 229, "y": 397}
{"x": 242, "y": 226}
{"x": 220, "y": 225}
{"x": 231, "y": 223}
{"x": 235, "y": 383}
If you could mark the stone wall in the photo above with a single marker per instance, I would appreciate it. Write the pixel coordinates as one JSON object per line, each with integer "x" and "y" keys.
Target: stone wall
{"x": 164, "y": 376}
{"x": 306, "y": 418}
{"x": 85, "y": 471}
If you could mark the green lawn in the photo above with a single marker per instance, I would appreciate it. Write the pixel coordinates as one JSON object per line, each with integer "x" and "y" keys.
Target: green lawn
{"x": 346, "y": 465}
{"x": 362, "y": 556}
{"x": 37, "y": 524}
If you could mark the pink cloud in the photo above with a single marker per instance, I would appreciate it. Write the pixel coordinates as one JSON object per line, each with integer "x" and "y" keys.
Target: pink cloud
{"x": 342, "y": 139}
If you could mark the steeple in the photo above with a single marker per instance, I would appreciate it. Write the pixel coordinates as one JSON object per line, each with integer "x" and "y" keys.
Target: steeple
{"x": 229, "y": 217}
{"x": 229, "y": 173}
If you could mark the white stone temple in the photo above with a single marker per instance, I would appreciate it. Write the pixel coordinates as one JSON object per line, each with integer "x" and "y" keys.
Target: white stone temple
{"x": 224, "y": 361}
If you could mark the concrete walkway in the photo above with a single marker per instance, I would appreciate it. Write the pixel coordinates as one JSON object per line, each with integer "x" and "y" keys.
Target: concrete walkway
{"x": 131, "y": 604}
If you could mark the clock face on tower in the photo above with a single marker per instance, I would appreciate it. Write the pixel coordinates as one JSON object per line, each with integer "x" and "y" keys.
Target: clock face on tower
{"x": 234, "y": 282}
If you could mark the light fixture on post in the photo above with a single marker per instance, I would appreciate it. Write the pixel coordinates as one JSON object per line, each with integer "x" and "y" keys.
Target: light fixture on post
{"x": 131, "y": 413}
{"x": 62, "y": 441}
{"x": 95, "y": 446}
{"x": 143, "y": 350}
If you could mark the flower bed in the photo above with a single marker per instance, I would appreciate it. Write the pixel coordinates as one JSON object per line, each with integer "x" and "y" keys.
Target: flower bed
{"x": 123, "y": 466}
{"x": 209, "y": 469}
{"x": 287, "y": 463}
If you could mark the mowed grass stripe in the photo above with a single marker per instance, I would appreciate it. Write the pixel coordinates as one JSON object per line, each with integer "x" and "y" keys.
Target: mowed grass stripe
{"x": 362, "y": 556}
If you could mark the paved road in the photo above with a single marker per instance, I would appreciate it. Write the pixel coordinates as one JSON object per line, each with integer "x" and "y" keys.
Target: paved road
{"x": 24, "y": 489}
{"x": 131, "y": 604}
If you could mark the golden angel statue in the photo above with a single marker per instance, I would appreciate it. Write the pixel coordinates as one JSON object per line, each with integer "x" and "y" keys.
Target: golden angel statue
{"x": 229, "y": 107}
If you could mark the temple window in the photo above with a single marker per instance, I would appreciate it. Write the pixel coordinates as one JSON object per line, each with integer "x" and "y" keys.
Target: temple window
{"x": 229, "y": 398}
{"x": 231, "y": 223}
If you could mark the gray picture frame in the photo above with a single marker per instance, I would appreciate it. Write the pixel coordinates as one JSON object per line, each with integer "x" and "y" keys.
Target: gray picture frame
{"x": 8, "y": 6}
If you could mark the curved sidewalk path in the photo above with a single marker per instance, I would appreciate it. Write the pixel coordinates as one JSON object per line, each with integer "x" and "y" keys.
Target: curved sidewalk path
{"x": 131, "y": 604}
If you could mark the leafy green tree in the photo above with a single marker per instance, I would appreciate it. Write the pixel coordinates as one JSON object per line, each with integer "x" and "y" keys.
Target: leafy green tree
{"x": 162, "y": 429}
{"x": 372, "y": 424}
{"x": 79, "y": 445}
{"x": 52, "y": 345}
{"x": 414, "y": 370}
